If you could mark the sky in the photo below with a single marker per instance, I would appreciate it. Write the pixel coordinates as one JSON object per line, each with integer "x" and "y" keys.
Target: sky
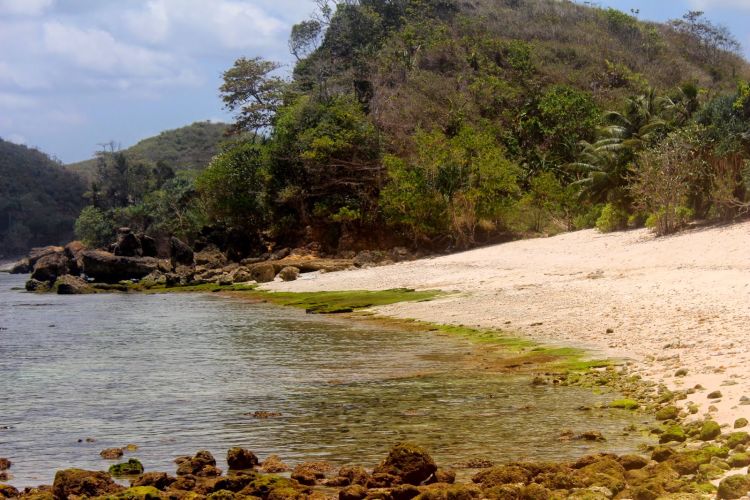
{"x": 78, "y": 73}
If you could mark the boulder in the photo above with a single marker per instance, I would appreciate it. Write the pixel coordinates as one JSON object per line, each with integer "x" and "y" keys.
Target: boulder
{"x": 368, "y": 257}
{"x": 72, "y": 285}
{"x": 33, "y": 285}
{"x": 128, "y": 244}
{"x": 263, "y": 272}
{"x": 149, "y": 248}
{"x": 109, "y": 268}
{"x": 241, "y": 275}
{"x": 355, "y": 492}
{"x": 50, "y": 267}
{"x": 736, "y": 486}
{"x": 132, "y": 467}
{"x": 8, "y": 491}
{"x": 38, "y": 252}
{"x": 111, "y": 453}
{"x": 158, "y": 480}
{"x": 289, "y": 273}
{"x": 21, "y": 267}
{"x": 408, "y": 462}
{"x": 274, "y": 464}
{"x": 5, "y": 464}
{"x": 83, "y": 483}
{"x": 196, "y": 465}
{"x": 240, "y": 458}
{"x": 308, "y": 473}
{"x": 211, "y": 257}
{"x": 73, "y": 252}
{"x": 181, "y": 254}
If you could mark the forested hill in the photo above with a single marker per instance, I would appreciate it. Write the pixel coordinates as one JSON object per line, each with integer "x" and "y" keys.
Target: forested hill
{"x": 39, "y": 199}
{"x": 186, "y": 148}
{"x": 445, "y": 124}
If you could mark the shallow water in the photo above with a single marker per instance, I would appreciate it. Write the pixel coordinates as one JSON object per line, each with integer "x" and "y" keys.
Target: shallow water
{"x": 175, "y": 373}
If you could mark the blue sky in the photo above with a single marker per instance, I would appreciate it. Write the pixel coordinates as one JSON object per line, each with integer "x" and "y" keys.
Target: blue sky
{"x": 76, "y": 73}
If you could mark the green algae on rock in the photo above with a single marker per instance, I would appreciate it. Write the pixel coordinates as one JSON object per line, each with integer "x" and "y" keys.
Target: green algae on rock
{"x": 132, "y": 467}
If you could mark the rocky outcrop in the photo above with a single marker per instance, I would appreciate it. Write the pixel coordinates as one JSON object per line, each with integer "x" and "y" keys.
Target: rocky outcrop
{"x": 127, "y": 244}
{"x": 210, "y": 258}
{"x": 5, "y": 464}
{"x": 203, "y": 464}
{"x": 158, "y": 480}
{"x": 149, "y": 248}
{"x": 181, "y": 254}
{"x": 37, "y": 286}
{"x": 109, "y": 268}
{"x": 410, "y": 463}
{"x": 241, "y": 459}
{"x": 83, "y": 483}
{"x": 72, "y": 285}
{"x": 73, "y": 252}
{"x": 50, "y": 267}
{"x": 263, "y": 272}
{"x": 21, "y": 267}
{"x": 38, "y": 252}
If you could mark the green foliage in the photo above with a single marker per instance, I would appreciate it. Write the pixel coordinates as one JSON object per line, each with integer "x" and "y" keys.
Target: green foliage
{"x": 566, "y": 117}
{"x": 94, "y": 227}
{"x": 252, "y": 91}
{"x": 233, "y": 187}
{"x": 612, "y": 218}
{"x": 39, "y": 199}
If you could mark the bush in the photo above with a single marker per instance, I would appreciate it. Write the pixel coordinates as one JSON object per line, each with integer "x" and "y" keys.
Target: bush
{"x": 663, "y": 222}
{"x": 94, "y": 228}
{"x": 613, "y": 218}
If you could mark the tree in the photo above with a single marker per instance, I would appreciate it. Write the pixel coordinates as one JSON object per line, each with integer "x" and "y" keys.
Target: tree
{"x": 252, "y": 93}
{"x": 305, "y": 38}
{"x": 711, "y": 38}
{"x": 93, "y": 227}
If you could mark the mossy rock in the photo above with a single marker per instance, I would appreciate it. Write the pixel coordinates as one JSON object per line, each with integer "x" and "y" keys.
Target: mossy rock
{"x": 738, "y": 460}
{"x": 715, "y": 451}
{"x": 688, "y": 462}
{"x": 662, "y": 453}
{"x": 222, "y": 495}
{"x": 132, "y": 467}
{"x": 710, "y": 430}
{"x": 682, "y": 372}
{"x": 136, "y": 493}
{"x": 442, "y": 491}
{"x": 673, "y": 433}
{"x": 710, "y": 471}
{"x": 736, "y": 486}
{"x": 668, "y": 413}
{"x": 740, "y": 423}
{"x": 262, "y": 485}
{"x": 714, "y": 395}
{"x": 625, "y": 404}
{"x": 735, "y": 439}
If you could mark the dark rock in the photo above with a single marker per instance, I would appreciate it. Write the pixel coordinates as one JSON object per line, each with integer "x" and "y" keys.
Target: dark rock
{"x": 408, "y": 462}
{"x": 181, "y": 254}
{"x": 21, "y": 267}
{"x": 33, "y": 285}
{"x": 355, "y": 475}
{"x": 159, "y": 480}
{"x": 83, "y": 483}
{"x": 38, "y": 252}
{"x": 72, "y": 285}
{"x": 383, "y": 480}
{"x": 128, "y": 244}
{"x": 661, "y": 453}
{"x": 194, "y": 465}
{"x": 73, "y": 252}
{"x": 109, "y": 268}
{"x": 354, "y": 492}
{"x": 502, "y": 474}
{"x": 445, "y": 476}
{"x": 111, "y": 453}
{"x": 209, "y": 471}
{"x": 240, "y": 458}
{"x": 149, "y": 248}
{"x": 289, "y": 273}
{"x": 8, "y": 491}
{"x": 50, "y": 267}
{"x": 211, "y": 258}
{"x": 404, "y": 492}
{"x": 5, "y": 464}
{"x": 132, "y": 467}
{"x": 633, "y": 462}
{"x": 368, "y": 257}
{"x": 308, "y": 473}
{"x": 280, "y": 254}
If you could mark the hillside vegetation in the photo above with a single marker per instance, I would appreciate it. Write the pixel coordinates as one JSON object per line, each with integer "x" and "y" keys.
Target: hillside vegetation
{"x": 445, "y": 124}
{"x": 186, "y": 148}
{"x": 39, "y": 199}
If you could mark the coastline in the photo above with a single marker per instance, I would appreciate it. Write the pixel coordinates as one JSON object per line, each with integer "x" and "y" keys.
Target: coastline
{"x": 668, "y": 305}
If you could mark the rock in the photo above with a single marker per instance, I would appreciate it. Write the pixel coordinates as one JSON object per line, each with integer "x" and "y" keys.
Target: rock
{"x": 289, "y": 273}
{"x": 682, "y": 372}
{"x": 180, "y": 253}
{"x": 209, "y": 471}
{"x": 111, "y": 453}
{"x": 445, "y": 476}
{"x": 83, "y": 483}
{"x": 33, "y": 285}
{"x": 355, "y": 475}
{"x": 137, "y": 493}
{"x": 673, "y": 433}
{"x": 241, "y": 275}
{"x": 311, "y": 264}
{"x": 156, "y": 278}
{"x": 149, "y": 247}
{"x": 591, "y": 436}
{"x": 368, "y": 257}
{"x": 132, "y": 467}
{"x": 50, "y": 267}
{"x": 633, "y": 462}
{"x": 714, "y": 395}
{"x": 274, "y": 464}
{"x": 737, "y": 438}
{"x": 606, "y": 472}
{"x": 8, "y": 491}
{"x": 72, "y": 285}
{"x": 109, "y": 268}
{"x": 195, "y": 465}
{"x": 354, "y": 492}
{"x": 502, "y": 474}
{"x": 740, "y": 423}
{"x": 736, "y": 486}
{"x": 441, "y": 491}
{"x": 382, "y": 480}
{"x": 21, "y": 267}
{"x": 5, "y": 464}
{"x": 738, "y": 460}
{"x": 263, "y": 272}
{"x": 73, "y": 252}
{"x": 661, "y": 453}
{"x": 280, "y": 254}
{"x": 241, "y": 459}
{"x": 159, "y": 480}
{"x": 38, "y": 252}
{"x": 128, "y": 244}
{"x": 408, "y": 462}
{"x": 667, "y": 413}
{"x": 709, "y": 431}
{"x": 210, "y": 257}
{"x": 263, "y": 486}
{"x": 308, "y": 473}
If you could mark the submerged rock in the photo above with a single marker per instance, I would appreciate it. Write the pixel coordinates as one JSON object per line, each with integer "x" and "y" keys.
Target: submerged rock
{"x": 33, "y": 285}
{"x": 409, "y": 462}
{"x": 111, "y": 453}
{"x": 5, "y": 464}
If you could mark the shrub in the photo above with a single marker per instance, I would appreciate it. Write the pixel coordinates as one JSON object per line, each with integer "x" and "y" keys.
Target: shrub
{"x": 94, "y": 228}
{"x": 612, "y": 218}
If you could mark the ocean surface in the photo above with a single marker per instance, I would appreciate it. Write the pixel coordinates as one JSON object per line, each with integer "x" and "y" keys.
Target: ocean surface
{"x": 175, "y": 373}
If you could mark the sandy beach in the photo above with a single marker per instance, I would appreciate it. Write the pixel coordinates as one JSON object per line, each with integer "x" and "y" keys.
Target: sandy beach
{"x": 664, "y": 303}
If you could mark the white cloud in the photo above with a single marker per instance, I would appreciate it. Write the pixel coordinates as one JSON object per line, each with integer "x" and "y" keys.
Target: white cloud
{"x": 25, "y": 7}
{"x": 150, "y": 24}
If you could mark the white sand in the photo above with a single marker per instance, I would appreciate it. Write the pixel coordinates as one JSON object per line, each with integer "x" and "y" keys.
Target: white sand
{"x": 675, "y": 302}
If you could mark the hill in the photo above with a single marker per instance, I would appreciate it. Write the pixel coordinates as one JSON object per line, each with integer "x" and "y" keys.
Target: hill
{"x": 186, "y": 148}
{"x": 39, "y": 199}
